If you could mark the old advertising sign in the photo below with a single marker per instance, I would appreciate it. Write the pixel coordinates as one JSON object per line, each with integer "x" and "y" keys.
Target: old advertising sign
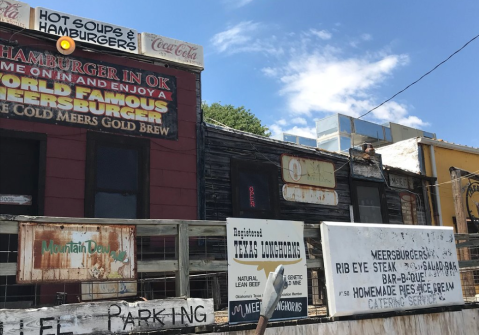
{"x": 36, "y": 85}
{"x": 398, "y": 181}
{"x": 109, "y": 317}
{"x": 310, "y": 194}
{"x": 172, "y": 50}
{"x": 472, "y": 202}
{"x": 72, "y": 252}
{"x": 366, "y": 166}
{"x": 14, "y": 199}
{"x": 15, "y": 12}
{"x": 255, "y": 248}
{"x": 86, "y": 30}
{"x": 108, "y": 290}
{"x": 390, "y": 267}
{"x": 304, "y": 171}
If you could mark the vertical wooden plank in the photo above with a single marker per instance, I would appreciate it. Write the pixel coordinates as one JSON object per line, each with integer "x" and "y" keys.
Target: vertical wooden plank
{"x": 27, "y": 250}
{"x": 182, "y": 252}
{"x": 459, "y": 206}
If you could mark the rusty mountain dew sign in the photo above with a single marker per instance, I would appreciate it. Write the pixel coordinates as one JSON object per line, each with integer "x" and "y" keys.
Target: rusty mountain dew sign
{"x": 73, "y": 252}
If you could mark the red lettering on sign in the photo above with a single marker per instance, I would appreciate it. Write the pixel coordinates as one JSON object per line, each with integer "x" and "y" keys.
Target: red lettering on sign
{"x": 251, "y": 197}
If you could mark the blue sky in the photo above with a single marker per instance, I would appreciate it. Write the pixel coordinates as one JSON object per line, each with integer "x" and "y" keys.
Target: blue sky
{"x": 291, "y": 62}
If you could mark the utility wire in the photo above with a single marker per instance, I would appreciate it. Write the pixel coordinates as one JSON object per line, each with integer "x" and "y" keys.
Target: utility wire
{"x": 424, "y": 75}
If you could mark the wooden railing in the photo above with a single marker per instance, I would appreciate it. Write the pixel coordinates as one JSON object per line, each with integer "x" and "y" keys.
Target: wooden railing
{"x": 182, "y": 230}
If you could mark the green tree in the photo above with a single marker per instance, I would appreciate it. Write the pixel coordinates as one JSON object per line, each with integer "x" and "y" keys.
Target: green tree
{"x": 234, "y": 117}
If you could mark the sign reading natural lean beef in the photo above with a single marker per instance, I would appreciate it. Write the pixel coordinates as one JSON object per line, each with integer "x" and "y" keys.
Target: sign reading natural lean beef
{"x": 42, "y": 87}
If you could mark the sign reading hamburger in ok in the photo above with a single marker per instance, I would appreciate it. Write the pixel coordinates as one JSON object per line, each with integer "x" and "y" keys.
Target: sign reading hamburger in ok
{"x": 42, "y": 87}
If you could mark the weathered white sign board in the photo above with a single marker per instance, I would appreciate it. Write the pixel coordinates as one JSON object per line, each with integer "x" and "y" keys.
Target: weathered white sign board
{"x": 372, "y": 268}
{"x": 108, "y": 290}
{"x": 14, "y": 199}
{"x": 86, "y": 30}
{"x": 170, "y": 49}
{"x": 109, "y": 317}
{"x": 15, "y": 12}
{"x": 313, "y": 172}
{"x": 310, "y": 195}
{"x": 255, "y": 248}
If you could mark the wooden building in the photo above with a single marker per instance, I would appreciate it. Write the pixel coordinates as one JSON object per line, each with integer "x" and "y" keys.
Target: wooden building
{"x": 360, "y": 189}
{"x": 237, "y": 164}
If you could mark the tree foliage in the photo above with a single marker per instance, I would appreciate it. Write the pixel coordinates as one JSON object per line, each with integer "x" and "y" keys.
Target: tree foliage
{"x": 234, "y": 117}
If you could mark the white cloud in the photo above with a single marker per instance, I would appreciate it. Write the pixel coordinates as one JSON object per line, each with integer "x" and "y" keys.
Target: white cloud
{"x": 241, "y": 38}
{"x": 277, "y": 131}
{"x": 326, "y": 83}
{"x": 366, "y": 37}
{"x": 238, "y": 3}
{"x": 241, "y": 3}
{"x": 234, "y": 36}
{"x": 317, "y": 82}
{"x": 299, "y": 120}
{"x": 322, "y": 34}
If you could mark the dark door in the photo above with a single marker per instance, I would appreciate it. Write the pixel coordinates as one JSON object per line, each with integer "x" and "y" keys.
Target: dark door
{"x": 22, "y": 178}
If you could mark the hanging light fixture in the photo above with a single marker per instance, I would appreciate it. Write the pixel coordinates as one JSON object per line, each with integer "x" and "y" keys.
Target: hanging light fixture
{"x": 65, "y": 45}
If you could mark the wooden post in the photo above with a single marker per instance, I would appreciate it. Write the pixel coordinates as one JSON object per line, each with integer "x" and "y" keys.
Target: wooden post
{"x": 182, "y": 254}
{"x": 461, "y": 223}
{"x": 261, "y": 327}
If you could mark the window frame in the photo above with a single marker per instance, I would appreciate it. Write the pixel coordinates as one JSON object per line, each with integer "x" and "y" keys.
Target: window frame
{"x": 41, "y": 138}
{"x": 271, "y": 170}
{"x": 94, "y": 139}
{"x": 382, "y": 199}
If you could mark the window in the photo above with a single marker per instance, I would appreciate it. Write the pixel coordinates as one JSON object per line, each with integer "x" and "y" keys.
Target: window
{"x": 255, "y": 189}
{"x": 369, "y": 202}
{"x": 22, "y": 188}
{"x": 117, "y": 177}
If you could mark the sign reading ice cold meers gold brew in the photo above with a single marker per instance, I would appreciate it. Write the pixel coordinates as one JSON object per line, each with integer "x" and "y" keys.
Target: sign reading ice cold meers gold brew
{"x": 42, "y": 87}
{"x": 304, "y": 171}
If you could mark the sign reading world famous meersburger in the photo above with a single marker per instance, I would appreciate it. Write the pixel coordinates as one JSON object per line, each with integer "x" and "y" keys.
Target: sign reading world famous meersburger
{"x": 372, "y": 268}
{"x": 255, "y": 248}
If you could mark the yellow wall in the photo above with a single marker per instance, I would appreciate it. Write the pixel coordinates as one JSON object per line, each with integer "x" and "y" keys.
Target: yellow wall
{"x": 445, "y": 158}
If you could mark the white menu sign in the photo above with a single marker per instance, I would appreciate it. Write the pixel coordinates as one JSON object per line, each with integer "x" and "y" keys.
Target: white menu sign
{"x": 172, "y": 50}
{"x": 86, "y": 30}
{"x": 255, "y": 248}
{"x": 372, "y": 268}
{"x": 15, "y": 12}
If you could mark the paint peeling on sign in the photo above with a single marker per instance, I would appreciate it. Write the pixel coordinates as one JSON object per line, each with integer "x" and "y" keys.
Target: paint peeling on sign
{"x": 109, "y": 317}
{"x": 12, "y": 199}
{"x": 305, "y": 171}
{"x": 310, "y": 195}
{"x": 73, "y": 252}
{"x": 108, "y": 290}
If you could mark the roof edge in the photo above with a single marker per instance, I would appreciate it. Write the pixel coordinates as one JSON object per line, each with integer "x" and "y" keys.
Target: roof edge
{"x": 446, "y": 145}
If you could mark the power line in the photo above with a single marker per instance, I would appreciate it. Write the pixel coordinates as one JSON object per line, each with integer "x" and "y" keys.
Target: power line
{"x": 424, "y": 75}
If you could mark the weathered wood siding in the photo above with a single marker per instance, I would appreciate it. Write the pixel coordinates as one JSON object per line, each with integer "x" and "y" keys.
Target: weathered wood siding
{"x": 223, "y": 145}
{"x": 394, "y": 206}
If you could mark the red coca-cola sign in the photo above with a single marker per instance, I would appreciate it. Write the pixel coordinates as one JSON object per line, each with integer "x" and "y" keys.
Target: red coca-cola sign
{"x": 172, "y": 50}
